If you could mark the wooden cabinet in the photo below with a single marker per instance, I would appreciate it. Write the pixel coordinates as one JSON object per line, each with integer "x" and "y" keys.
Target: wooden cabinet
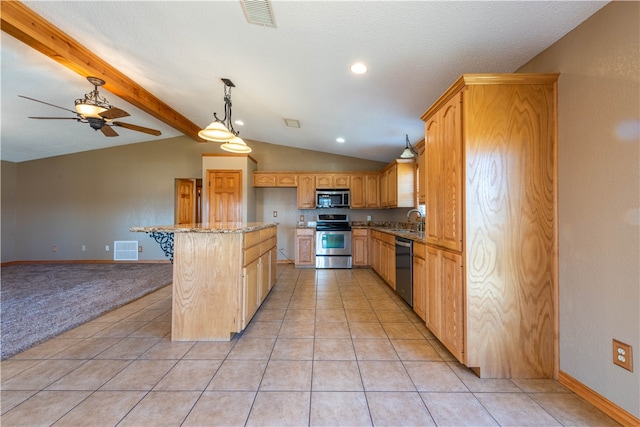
{"x": 337, "y": 180}
{"x": 372, "y": 191}
{"x": 275, "y": 179}
{"x": 258, "y": 249}
{"x": 419, "y": 280}
{"x": 219, "y": 281}
{"x": 365, "y": 191}
{"x": 306, "y": 191}
{"x": 444, "y": 298}
{"x": 360, "y": 247}
{"x": 490, "y": 144}
{"x": 383, "y": 248}
{"x": 397, "y": 189}
{"x": 420, "y": 171}
{"x": 305, "y": 248}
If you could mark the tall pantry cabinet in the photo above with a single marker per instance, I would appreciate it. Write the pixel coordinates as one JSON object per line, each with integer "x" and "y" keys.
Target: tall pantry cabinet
{"x": 491, "y": 230}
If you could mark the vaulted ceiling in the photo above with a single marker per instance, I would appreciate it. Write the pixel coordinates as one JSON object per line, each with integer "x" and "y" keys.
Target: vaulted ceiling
{"x": 163, "y": 61}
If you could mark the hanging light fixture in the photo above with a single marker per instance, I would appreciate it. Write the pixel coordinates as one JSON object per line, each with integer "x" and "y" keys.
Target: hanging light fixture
{"x": 221, "y": 130}
{"x": 408, "y": 151}
{"x": 93, "y": 103}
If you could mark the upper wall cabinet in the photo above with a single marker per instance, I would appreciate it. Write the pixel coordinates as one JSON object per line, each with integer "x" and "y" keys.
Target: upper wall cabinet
{"x": 275, "y": 179}
{"x": 397, "y": 184}
{"x": 333, "y": 180}
{"x": 365, "y": 190}
{"x": 491, "y": 223}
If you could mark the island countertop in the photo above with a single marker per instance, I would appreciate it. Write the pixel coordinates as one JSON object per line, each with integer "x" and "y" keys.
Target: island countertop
{"x": 216, "y": 227}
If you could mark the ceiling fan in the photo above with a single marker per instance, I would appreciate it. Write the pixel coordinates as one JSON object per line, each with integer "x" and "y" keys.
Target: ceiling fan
{"x": 96, "y": 110}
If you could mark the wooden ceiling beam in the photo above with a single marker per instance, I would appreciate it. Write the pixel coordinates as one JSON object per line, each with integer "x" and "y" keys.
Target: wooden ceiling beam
{"x": 25, "y": 25}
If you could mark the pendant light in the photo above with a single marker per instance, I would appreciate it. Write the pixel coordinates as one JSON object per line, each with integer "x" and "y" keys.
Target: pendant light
{"x": 221, "y": 130}
{"x": 408, "y": 152}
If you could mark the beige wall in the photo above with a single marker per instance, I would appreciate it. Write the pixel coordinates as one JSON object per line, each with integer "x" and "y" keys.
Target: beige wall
{"x": 92, "y": 198}
{"x": 599, "y": 197}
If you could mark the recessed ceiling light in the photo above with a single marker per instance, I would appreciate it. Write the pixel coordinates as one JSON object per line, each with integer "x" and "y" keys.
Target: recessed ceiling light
{"x": 340, "y": 140}
{"x": 239, "y": 122}
{"x": 358, "y": 68}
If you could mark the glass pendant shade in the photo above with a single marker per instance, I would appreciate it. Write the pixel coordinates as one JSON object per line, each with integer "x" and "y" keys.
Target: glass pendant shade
{"x": 216, "y": 132}
{"x": 89, "y": 110}
{"x": 236, "y": 145}
{"x": 406, "y": 153}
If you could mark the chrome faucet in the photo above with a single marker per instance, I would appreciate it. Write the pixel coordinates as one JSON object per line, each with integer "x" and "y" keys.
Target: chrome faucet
{"x": 420, "y": 218}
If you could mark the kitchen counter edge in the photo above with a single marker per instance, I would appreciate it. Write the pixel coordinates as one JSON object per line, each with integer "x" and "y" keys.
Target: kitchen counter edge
{"x": 223, "y": 227}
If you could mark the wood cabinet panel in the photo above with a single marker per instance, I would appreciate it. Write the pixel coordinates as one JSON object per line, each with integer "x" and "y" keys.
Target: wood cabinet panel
{"x": 419, "y": 281}
{"x": 306, "y": 191}
{"x": 275, "y": 179}
{"x": 326, "y": 180}
{"x": 372, "y": 194}
{"x": 360, "y": 247}
{"x": 305, "y": 247}
{"x": 397, "y": 184}
{"x": 491, "y": 223}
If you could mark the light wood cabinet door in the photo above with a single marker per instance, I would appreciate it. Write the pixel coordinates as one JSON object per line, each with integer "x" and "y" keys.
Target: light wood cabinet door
{"x": 306, "y": 191}
{"x": 372, "y": 191}
{"x": 250, "y": 291}
{"x": 419, "y": 280}
{"x": 451, "y": 175}
{"x": 340, "y": 181}
{"x": 275, "y": 179}
{"x": 432, "y": 178}
{"x": 453, "y": 297}
{"x": 265, "y": 275}
{"x": 274, "y": 264}
{"x": 433, "y": 304}
{"x": 360, "y": 246}
{"x": 421, "y": 174}
{"x": 305, "y": 247}
{"x": 358, "y": 191}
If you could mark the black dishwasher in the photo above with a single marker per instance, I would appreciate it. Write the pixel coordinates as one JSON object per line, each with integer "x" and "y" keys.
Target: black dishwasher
{"x": 404, "y": 269}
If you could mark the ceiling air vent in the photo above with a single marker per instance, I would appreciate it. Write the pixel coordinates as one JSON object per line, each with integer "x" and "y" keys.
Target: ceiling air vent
{"x": 258, "y": 12}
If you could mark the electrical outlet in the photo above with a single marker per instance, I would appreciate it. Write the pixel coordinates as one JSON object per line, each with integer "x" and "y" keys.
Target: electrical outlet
{"x": 140, "y": 248}
{"x": 275, "y": 214}
{"x": 301, "y": 218}
{"x": 54, "y": 248}
{"x": 84, "y": 248}
{"x": 623, "y": 355}
{"x": 106, "y": 248}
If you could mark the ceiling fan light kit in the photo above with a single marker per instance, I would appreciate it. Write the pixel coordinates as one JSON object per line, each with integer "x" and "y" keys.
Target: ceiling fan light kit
{"x": 221, "y": 130}
{"x": 96, "y": 110}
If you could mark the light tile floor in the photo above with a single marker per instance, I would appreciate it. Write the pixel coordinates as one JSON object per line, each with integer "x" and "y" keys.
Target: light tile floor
{"x": 327, "y": 348}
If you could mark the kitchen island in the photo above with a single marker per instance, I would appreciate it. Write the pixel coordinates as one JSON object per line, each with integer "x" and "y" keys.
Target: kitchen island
{"x": 221, "y": 274}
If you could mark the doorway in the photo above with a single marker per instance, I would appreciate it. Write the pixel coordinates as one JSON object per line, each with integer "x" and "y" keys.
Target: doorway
{"x": 224, "y": 195}
{"x": 188, "y": 201}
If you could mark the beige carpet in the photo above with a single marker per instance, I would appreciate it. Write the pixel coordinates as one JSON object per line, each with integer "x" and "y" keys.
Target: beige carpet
{"x": 41, "y": 301}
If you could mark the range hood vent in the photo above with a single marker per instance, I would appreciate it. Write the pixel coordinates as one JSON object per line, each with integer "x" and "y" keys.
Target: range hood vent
{"x": 258, "y": 12}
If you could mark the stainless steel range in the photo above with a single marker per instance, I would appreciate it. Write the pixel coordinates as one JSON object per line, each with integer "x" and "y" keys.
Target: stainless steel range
{"x": 333, "y": 241}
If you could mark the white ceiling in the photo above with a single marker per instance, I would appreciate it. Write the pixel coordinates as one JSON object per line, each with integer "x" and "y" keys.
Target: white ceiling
{"x": 179, "y": 50}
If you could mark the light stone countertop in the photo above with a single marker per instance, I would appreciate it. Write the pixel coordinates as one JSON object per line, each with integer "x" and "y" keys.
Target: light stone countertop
{"x": 217, "y": 227}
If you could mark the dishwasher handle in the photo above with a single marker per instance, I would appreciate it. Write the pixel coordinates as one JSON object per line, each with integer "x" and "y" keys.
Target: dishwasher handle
{"x": 403, "y": 242}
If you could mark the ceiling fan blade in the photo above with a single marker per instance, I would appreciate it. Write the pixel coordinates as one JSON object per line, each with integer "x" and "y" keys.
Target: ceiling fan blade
{"x": 57, "y": 118}
{"x": 108, "y": 131}
{"x": 137, "y": 128}
{"x": 46, "y": 103}
{"x": 113, "y": 113}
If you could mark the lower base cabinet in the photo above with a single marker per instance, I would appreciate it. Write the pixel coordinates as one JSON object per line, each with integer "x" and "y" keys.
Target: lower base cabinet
{"x": 445, "y": 299}
{"x": 419, "y": 282}
{"x": 360, "y": 247}
{"x": 383, "y": 252}
{"x": 258, "y": 273}
{"x": 305, "y": 248}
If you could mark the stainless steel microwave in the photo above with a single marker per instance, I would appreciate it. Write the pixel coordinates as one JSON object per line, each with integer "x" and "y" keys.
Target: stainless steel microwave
{"x": 332, "y": 199}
